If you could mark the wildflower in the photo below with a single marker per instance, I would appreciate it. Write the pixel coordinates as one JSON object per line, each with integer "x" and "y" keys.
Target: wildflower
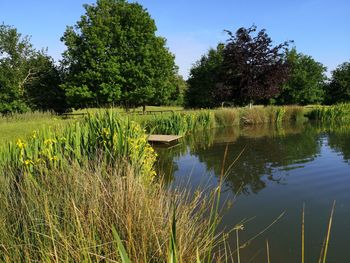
{"x": 20, "y": 144}
{"x": 28, "y": 162}
{"x": 39, "y": 160}
{"x": 34, "y": 135}
{"x": 105, "y": 131}
{"x": 49, "y": 141}
{"x": 54, "y": 158}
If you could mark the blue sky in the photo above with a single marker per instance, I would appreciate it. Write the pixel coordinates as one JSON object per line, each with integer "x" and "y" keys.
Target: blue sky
{"x": 320, "y": 28}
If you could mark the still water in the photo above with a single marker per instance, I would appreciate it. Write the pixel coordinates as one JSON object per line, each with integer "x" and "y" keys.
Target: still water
{"x": 278, "y": 169}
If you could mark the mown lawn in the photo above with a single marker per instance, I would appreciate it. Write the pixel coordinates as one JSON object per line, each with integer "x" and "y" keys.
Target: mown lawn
{"x": 12, "y": 129}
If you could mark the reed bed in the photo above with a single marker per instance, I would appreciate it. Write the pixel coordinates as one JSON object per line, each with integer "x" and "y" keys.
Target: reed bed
{"x": 100, "y": 136}
{"x": 179, "y": 123}
{"x": 335, "y": 113}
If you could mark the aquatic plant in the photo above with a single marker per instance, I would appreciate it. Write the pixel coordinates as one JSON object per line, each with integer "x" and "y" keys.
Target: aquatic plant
{"x": 335, "y": 113}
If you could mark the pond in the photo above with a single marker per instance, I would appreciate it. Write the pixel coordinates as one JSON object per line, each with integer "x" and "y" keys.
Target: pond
{"x": 274, "y": 170}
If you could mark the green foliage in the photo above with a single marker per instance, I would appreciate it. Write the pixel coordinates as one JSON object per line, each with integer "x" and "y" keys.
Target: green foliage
{"x": 43, "y": 92}
{"x": 203, "y": 80}
{"x": 102, "y": 137}
{"x": 306, "y": 82}
{"x": 114, "y": 57}
{"x": 179, "y": 123}
{"x": 254, "y": 69}
{"x": 66, "y": 196}
{"x": 335, "y": 113}
{"x": 178, "y": 95}
{"x": 338, "y": 90}
{"x": 28, "y": 78}
{"x": 227, "y": 117}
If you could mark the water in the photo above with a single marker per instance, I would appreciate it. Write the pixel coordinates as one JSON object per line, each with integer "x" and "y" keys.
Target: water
{"x": 278, "y": 169}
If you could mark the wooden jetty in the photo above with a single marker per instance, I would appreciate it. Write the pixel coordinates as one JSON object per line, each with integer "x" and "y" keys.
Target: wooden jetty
{"x": 167, "y": 139}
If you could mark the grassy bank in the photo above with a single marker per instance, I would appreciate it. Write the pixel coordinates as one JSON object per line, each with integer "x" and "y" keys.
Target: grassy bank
{"x": 178, "y": 122}
{"x": 189, "y": 121}
{"x": 69, "y": 195}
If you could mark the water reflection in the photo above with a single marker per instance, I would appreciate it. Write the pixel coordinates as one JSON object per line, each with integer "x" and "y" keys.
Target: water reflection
{"x": 269, "y": 152}
{"x": 280, "y": 169}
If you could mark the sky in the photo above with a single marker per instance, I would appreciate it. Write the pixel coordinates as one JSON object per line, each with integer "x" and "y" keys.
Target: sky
{"x": 319, "y": 28}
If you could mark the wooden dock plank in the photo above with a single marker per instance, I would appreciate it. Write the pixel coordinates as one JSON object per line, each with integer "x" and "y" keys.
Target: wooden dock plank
{"x": 159, "y": 138}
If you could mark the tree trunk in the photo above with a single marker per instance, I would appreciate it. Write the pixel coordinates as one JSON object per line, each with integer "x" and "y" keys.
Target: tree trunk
{"x": 144, "y": 108}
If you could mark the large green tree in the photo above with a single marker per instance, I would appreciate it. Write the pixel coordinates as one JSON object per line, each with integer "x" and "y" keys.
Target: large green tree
{"x": 114, "y": 56}
{"x": 204, "y": 78}
{"x": 26, "y": 75}
{"x": 338, "y": 90}
{"x": 306, "y": 83}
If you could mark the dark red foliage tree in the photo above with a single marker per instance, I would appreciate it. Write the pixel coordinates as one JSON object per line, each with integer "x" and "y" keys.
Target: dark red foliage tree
{"x": 254, "y": 69}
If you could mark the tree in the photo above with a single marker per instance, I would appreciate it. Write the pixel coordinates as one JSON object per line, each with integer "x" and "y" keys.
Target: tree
{"x": 113, "y": 56}
{"x": 306, "y": 84}
{"x": 179, "y": 91}
{"x": 15, "y": 51}
{"x": 23, "y": 73}
{"x": 338, "y": 89}
{"x": 254, "y": 69}
{"x": 204, "y": 78}
{"x": 44, "y": 92}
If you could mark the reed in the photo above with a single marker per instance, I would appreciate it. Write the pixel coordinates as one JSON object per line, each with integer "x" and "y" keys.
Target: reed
{"x": 179, "y": 123}
{"x": 227, "y": 117}
{"x": 103, "y": 137}
{"x": 335, "y": 113}
{"x": 87, "y": 194}
{"x": 77, "y": 216}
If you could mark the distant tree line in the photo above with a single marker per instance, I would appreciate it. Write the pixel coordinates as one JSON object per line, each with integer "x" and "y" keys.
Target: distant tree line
{"x": 114, "y": 58}
{"x": 248, "y": 69}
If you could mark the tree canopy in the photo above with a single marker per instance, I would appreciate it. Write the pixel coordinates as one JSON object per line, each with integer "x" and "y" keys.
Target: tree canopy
{"x": 113, "y": 56}
{"x": 254, "y": 69}
{"x": 204, "y": 78}
{"x": 306, "y": 84}
{"x": 338, "y": 89}
{"x": 27, "y": 76}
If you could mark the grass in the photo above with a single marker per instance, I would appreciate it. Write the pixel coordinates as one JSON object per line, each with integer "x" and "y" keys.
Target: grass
{"x": 74, "y": 216}
{"x": 88, "y": 193}
{"x": 79, "y": 193}
{"x": 138, "y": 109}
{"x": 335, "y": 113}
{"x": 22, "y": 125}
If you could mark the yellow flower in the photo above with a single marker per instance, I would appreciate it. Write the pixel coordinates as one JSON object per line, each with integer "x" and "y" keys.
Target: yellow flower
{"x": 54, "y": 158}
{"x": 49, "y": 141}
{"x": 39, "y": 160}
{"x": 105, "y": 131}
{"x": 34, "y": 135}
{"x": 28, "y": 162}
{"x": 20, "y": 144}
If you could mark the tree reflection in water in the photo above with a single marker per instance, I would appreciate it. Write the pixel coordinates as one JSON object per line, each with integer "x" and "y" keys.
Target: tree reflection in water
{"x": 269, "y": 153}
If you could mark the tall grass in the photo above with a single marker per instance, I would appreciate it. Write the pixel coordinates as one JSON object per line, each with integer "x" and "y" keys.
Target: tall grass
{"x": 335, "y": 113}
{"x": 103, "y": 137}
{"x": 77, "y": 195}
{"x": 180, "y": 123}
{"x": 73, "y": 216}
